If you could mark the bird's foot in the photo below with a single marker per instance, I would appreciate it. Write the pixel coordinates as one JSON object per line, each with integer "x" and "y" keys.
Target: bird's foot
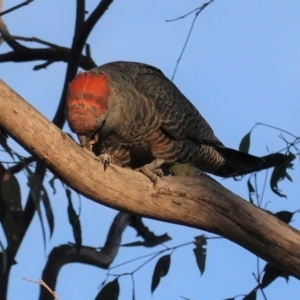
{"x": 153, "y": 170}
{"x": 106, "y": 160}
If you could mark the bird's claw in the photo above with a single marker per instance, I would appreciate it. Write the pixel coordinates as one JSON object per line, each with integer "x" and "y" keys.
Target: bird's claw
{"x": 153, "y": 170}
{"x": 106, "y": 160}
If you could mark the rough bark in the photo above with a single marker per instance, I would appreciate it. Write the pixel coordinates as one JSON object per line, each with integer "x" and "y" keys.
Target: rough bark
{"x": 198, "y": 202}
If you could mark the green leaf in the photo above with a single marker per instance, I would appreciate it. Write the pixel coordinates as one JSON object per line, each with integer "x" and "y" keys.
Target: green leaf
{"x": 34, "y": 184}
{"x": 51, "y": 182}
{"x": 161, "y": 269}
{"x": 245, "y": 143}
{"x": 11, "y": 213}
{"x": 284, "y": 216}
{"x": 48, "y": 209}
{"x": 251, "y": 295}
{"x": 280, "y": 173}
{"x": 110, "y": 291}
{"x": 200, "y": 252}
{"x": 74, "y": 221}
{"x": 251, "y": 190}
{"x": 10, "y": 195}
{"x": 250, "y": 187}
{"x": 288, "y": 177}
{"x": 271, "y": 273}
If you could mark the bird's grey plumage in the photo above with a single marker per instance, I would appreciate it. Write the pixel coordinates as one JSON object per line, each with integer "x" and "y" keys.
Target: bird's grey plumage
{"x": 148, "y": 117}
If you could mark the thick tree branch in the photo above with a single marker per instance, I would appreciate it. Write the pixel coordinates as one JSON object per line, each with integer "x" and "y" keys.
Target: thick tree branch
{"x": 196, "y": 202}
{"x": 80, "y": 13}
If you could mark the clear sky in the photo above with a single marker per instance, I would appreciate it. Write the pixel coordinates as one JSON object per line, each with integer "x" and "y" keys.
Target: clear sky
{"x": 241, "y": 66}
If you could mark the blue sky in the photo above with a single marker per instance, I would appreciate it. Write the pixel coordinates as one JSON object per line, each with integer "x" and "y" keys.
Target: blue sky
{"x": 241, "y": 66}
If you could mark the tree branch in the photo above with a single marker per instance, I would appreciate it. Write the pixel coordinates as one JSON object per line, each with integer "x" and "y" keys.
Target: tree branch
{"x": 48, "y": 54}
{"x": 195, "y": 202}
{"x": 15, "y": 7}
{"x": 94, "y": 17}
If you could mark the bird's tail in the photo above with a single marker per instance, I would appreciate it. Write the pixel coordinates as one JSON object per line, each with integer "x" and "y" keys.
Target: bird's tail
{"x": 237, "y": 162}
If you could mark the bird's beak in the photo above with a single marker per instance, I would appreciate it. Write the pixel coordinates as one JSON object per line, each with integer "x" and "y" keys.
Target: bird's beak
{"x": 87, "y": 142}
{"x": 84, "y": 140}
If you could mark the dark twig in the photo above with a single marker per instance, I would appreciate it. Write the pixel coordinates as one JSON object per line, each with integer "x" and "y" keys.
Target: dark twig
{"x": 184, "y": 46}
{"x": 33, "y": 39}
{"x": 15, "y": 7}
{"x": 277, "y": 128}
{"x": 198, "y": 11}
{"x": 43, "y": 65}
{"x": 22, "y": 164}
{"x": 183, "y": 16}
{"x": 48, "y": 54}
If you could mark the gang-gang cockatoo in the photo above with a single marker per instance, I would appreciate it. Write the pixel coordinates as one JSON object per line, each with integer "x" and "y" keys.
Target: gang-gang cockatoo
{"x": 131, "y": 115}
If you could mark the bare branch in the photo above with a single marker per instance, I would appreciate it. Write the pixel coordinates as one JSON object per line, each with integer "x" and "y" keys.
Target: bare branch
{"x": 22, "y": 164}
{"x": 197, "y": 202}
{"x": 43, "y": 66}
{"x": 198, "y": 11}
{"x": 15, "y": 7}
{"x": 183, "y": 48}
{"x": 32, "y": 39}
{"x": 48, "y": 54}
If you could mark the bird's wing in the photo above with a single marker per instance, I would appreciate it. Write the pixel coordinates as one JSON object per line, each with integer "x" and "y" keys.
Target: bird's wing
{"x": 180, "y": 120}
